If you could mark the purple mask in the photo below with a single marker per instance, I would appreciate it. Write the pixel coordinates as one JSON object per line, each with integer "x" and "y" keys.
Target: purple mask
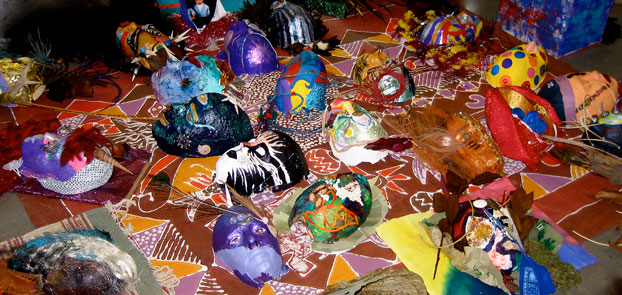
{"x": 248, "y": 51}
{"x": 246, "y": 245}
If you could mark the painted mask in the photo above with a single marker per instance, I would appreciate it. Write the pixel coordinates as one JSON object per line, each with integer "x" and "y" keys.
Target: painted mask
{"x": 302, "y": 85}
{"x": 457, "y": 143}
{"x": 523, "y": 65}
{"x": 179, "y": 81}
{"x": 293, "y": 22}
{"x": 353, "y": 127}
{"x": 580, "y": 96}
{"x": 333, "y": 208}
{"x": 146, "y": 45}
{"x": 248, "y": 51}
{"x": 272, "y": 160}
{"x": 42, "y": 159}
{"x": 205, "y": 126}
{"x": 479, "y": 151}
{"x": 383, "y": 80}
{"x": 448, "y": 29}
{"x": 245, "y": 245}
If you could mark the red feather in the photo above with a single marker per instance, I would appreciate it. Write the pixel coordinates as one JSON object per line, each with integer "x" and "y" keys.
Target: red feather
{"x": 11, "y": 148}
{"x": 85, "y": 139}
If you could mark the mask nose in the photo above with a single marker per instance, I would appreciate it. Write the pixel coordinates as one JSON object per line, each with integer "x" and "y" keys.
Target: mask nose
{"x": 252, "y": 243}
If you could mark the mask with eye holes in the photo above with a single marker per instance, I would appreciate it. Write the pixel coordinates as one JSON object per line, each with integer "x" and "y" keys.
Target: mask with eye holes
{"x": 245, "y": 245}
{"x": 272, "y": 160}
{"x": 205, "y": 126}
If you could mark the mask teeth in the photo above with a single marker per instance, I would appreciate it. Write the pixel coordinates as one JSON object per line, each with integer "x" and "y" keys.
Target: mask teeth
{"x": 103, "y": 156}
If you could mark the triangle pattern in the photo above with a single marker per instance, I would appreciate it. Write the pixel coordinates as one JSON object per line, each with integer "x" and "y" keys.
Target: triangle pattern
{"x": 577, "y": 171}
{"x": 133, "y": 107}
{"x": 114, "y": 111}
{"x": 180, "y": 268}
{"x": 548, "y": 182}
{"x": 345, "y": 67}
{"x": 384, "y": 38}
{"x": 353, "y": 48}
{"x": 393, "y": 52}
{"x": 141, "y": 223}
{"x": 267, "y": 290}
{"x": 531, "y": 186}
{"x": 189, "y": 284}
{"x": 147, "y": 239}
{"x": 113, "y": 130}
{"x": 341, "y": 271}
{"x": 333, "y": 70}
{"x": 364, "y": 264}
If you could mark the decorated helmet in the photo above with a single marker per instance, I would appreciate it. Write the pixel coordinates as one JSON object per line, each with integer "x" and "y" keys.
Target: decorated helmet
{"x": 302, "y": 85}
{"x": 293, "y": 22}
{"x": 179, "y": 81}
{"x": 207, "y": 125}
{"x": 334, "y": 208}
{"x": 67, "y": 163}
{"x": 523, "y": 65}
{"x": 447, "y": 29}
{"x": 353, "y": 127}
{"x": 147, "y": 45}
{"x": 248, "y": 51}
{"x": 272, "y": 160}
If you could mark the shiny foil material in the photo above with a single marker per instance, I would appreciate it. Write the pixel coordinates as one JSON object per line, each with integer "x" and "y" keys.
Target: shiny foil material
{"x": 515, "y": 139}
{"x": 11, "y": 71}
{"x": 294, "y": 24}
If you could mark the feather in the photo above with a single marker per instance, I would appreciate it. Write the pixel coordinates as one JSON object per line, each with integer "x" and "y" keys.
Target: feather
{"x": 325, "y": 46}
{"x": 85, "y": 139}
{"x": 12, "y": 138}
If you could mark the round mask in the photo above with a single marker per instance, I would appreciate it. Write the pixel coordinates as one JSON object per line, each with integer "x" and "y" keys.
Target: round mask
{"x": 302, "y": 85}
{"x": 382, "y": 80}
{"x": 245, "y": 245}
{"x": 272, "y": 160}
{"x": 353, "y": 127}
{"x": 448, "y": 29}
{"x": 523, "y": 65}
{"x": 41, "y": 156}
{"x": 179, "y": 81}
{"x": 579, "y": 96}
{"x": 293, "y": 22}
{"x": 205, "y": 126}
{"x": 248, "y": 51}
{"x": 333, "y": 208}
